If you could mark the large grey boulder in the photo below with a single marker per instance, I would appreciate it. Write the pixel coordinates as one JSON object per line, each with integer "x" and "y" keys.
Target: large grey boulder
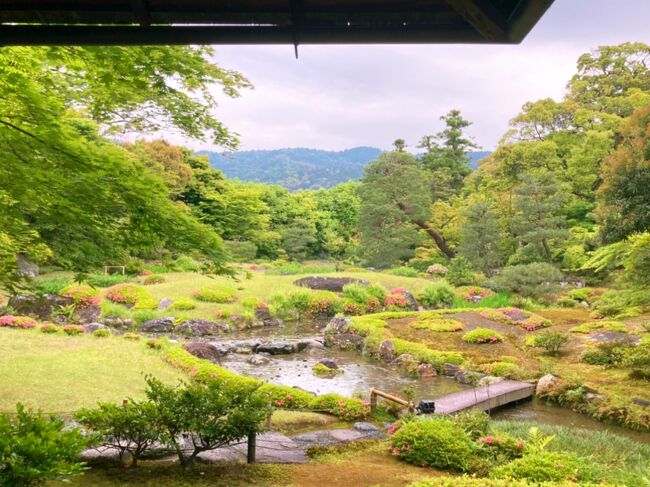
{"x": 92, "y": 327}
{"x": 164, "y": 303}
{"x": 387, "y": 350}
{"x": 338, "y": 324}
{"x": 545, "y": 384}
{"x": 277, "y": 348}
{"x": 158, "y": 325}
{"x": 344, "y": 341}
{"x": 41, "y": 307}
{"x": 87, "y": 314}
{"x": 117, "y": 322}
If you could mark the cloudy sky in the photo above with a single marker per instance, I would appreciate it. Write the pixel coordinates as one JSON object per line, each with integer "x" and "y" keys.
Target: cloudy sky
{"x": 336, "y": 97}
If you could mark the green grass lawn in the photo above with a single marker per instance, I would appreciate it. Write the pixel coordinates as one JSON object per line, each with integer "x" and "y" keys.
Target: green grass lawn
{"x": 60, "y": 374}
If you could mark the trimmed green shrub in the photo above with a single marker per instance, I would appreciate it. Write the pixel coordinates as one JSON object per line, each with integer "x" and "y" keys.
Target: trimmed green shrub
{"x": 214, "y": 295}
{"x": 183, "y": 304}
{"x": 546, "y": 466}
{"x": 324, "y": 304}
{"x": 35, "y": 448}
{"x": 132, "y": 336}
{"x": 436, "y": 442}
{"x": 342, "y": 407}
{"x": 109, "y": 308}
{"x": 501, "y": 369}
{"x": 404, "y": 271}
{"x": 102, "y": 333}
{"x": 49, "y": 328}
{"x": 143, "y": 315}
{"x": 550, "y": 341}
{"x": 437, "y": 325}
{"x": 186, "y": 263}
{"x": 73, "y": 330}
{"x": 153, "y": 279}
{"x": 482, "y": 336}
{"x": 439, "y": 294}
{"x": 474, "y": 422}
{"x": 459, "y": 272}
{"x": 580, "y": 294}
{"x": 616, "y": 326}
{"x": 567, "y": 302}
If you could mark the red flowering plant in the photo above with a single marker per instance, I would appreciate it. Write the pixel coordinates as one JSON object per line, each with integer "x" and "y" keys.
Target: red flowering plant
{"x": 10, "y": 321}
{"x": 474, "y": 294}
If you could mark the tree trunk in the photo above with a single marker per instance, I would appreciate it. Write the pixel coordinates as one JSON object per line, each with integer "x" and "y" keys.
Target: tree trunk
{"x": 432, "y": 232}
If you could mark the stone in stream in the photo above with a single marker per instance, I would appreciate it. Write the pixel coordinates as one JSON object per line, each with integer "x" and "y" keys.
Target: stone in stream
{"x": 278, "y": 348}
{"x": 450, "y": 370}
{"x": 344, "y": 341}
{"x": 337, "y": 325}
{"x": 468, "y": 377}
{"x": 426, "y": 371}
{"x": 387, "y": 350}
{"x": 200, "y": 327}
{"x": 329, "y": 363}
{"x": 258, "y": 359}
{"x": 365, "y": 427}
{"x": 158, "y": 325}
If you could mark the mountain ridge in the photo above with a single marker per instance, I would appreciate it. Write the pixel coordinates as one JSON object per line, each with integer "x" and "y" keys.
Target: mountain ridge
{"x": 298, "y": 168}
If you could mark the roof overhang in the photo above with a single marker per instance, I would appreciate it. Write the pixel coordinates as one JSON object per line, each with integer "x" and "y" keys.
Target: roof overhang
{"x": 142, "y": 22}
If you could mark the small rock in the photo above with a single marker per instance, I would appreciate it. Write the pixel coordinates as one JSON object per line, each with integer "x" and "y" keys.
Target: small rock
{"x": 87, "y": 314}
{"x": 387, "y": 350}
{"x": 201, "y": 327}
{"x": 344, "y": 341}
{"x": 158, "y": 325}
{"x": 545, "y": 384}
{"x": 164, "y": 304}
{"x": 279, "y": 348}
{"x": 203, "y": 350}
{"x": 273, "y": 322}
{"x": 116, "y": 322}
{"x": 337, "y": 325}
{"x": 365, "y": 427}
{"x": 450, "y": 370}
{"x": 329, "y": 363}
{"x": 258, "y": 360}
{"x": 593, "y": 397}
{"x": 92, "y": 327}
{"x": 426, "y": 370}
{"x": 243, "y": 350}
{"x": 638, "y": 401}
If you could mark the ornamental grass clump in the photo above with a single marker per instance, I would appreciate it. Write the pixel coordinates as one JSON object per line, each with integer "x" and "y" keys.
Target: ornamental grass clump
{"x": 131, "y": 295}
{"x": 482, "y": 336}
{"x": 517, "y": 317}
{"x": 435, "y": 442}
{"x": 444, "y": 325}
{"x": 24, "y": 322}
{"x": 215, "y": 295}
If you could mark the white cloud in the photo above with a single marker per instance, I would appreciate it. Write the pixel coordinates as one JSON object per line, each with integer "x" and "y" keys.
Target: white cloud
{"x": 335, "y": 97}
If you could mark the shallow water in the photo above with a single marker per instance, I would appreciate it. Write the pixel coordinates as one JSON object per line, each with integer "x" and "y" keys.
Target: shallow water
{"x": 361, "y": 373}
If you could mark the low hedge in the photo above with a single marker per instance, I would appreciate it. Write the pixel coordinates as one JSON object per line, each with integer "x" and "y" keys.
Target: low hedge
{"x": 546, "y": 466}
{"x": 615, "y": 326}
{"x": 280, "y": 396}
{"x": 443, "y": 325}
{"x": 482, "y": 336}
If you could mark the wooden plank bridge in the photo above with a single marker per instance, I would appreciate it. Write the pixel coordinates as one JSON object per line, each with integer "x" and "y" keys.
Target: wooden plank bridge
{"x": 484, "y": 398}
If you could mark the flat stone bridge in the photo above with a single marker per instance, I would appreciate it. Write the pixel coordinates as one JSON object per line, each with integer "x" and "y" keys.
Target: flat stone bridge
{"x": 485, "y": 398}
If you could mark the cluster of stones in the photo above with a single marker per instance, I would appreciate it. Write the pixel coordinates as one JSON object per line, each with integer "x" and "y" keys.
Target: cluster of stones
{"x": 259, "y": 350}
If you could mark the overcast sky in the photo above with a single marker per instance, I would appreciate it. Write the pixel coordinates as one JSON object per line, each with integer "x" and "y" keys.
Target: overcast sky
{"x": 337, "y": 97}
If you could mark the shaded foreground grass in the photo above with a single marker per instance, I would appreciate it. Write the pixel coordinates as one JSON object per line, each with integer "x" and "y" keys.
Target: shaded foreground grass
{"x": 60, "y": 374}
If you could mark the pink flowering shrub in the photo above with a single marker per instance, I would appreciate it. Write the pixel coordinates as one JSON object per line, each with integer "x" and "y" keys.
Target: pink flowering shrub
{"x": 473, "y": 294}
{"x": 10, "y": 321}
{"x": 73, "y": 330}
{"x": 342, "y": 407}
{"x": 435, "y": 442}
{"x": 515, "y": 316}
{"x": 502, "y": 446}
{"x": 81, "y": 294}
{"x": 482, "y": 336}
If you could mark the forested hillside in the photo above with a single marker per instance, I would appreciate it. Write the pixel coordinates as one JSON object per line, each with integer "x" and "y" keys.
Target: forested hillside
{"x": 300, "y": 168}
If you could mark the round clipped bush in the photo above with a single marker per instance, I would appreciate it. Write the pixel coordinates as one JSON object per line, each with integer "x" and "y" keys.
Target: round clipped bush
{"x": 81, "y": 294}
{"x": 183, "y": 304}
{"x": 546, "y": 466}
{"x": 153, "y": 279}
{"x": 214, "y": 295}
{"x": 482, "y": 335}
{"x": 49, "y": 328}
{"x": 102, "y": 333}
{"x": 436, "y": 442}
{"x": 501, "y": 369}
{"x": 131, "y": 295}
{"x": 10, "y": 321}
{"x": 437, "y": 325}
{"x": 131, "y": 336}
{"x": 439, "y": 294}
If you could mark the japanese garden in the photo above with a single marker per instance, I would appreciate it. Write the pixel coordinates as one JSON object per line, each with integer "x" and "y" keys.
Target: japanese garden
{"x": 161, "y": 322}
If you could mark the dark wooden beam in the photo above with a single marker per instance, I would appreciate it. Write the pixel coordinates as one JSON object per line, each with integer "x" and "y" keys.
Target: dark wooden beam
{"x": 525, "y": 16}
{"x": 36, "y": 35}
{"x": 141, "y": 12}
{"x": 484, "y": 17}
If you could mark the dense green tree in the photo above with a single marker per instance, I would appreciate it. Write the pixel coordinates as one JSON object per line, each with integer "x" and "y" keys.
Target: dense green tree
{"x": 399, "y": 145}
{"x": 481, "y": 236}
{"x": 395, "y": 202}
{"x": 625, "y": 194}
{"x": 446, "y": 155}
{"x": 539, "y": 222}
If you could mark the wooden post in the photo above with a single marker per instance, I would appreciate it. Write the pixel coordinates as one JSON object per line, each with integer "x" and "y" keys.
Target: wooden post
{"x": 373, "y": 401}
{"x": 250, "y": 458}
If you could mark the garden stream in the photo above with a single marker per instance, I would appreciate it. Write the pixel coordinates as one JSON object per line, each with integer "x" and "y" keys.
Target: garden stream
{"x": 361, "y": 373}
